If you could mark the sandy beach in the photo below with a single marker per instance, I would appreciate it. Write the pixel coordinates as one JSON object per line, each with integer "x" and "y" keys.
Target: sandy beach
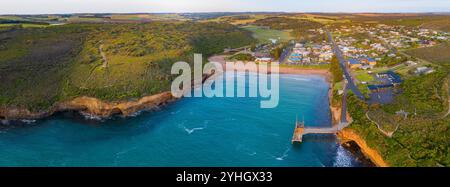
{"x": 282, "y": 69}
{"x": 306, "y": 71}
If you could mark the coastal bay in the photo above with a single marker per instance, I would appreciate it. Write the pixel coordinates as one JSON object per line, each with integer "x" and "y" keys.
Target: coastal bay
{"x": 189, "y": 132}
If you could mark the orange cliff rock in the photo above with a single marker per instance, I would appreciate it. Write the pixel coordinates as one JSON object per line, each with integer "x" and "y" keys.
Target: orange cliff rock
{"x": 103, "y": 109}
{"x": 335, "y": 111}
{"x": 350, "y": 135}
{"x": 92, "y": 106}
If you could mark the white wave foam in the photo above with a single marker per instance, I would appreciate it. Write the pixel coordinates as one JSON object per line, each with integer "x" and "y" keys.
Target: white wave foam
{"x": 285, "y": 154}
{"x": 91, "y": 116}
{"x": 136, "y": 113}
{"x": 125, "y": 151}
{"x": 342, "y": 158}
{"x": 4, "y": 122}
{"x": 297, "y": 79}
{"x": 27, "y": 121}
{"x": 190, "y": 131}
{"x": 244, "y": 149}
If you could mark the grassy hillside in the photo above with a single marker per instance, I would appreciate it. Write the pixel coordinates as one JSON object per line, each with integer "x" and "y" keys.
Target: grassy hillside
{"x": 417, "y": 142}
{"x": 34, "y": 62}
{"x": 263, "y": 35}
{"x": 239, "y": 19}
{"x": 438, "y": 54}
{"x": 40, "y": 66}
{"x": 300, "y": 27}
{"x": 429, "y": 21}
{"x": 425, "y": 95}
{"x": 419, "y": 139}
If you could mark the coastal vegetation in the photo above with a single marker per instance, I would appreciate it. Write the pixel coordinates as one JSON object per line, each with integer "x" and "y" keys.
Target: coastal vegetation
{"x": 116, "y": 57}
{"x": 437, "y": 54}
{"x": 413, "y": 130}
{"x": 391, "y": 61}
{"x": 336, "y": 85}
{"x": 306, "y": 67}
{"x": 424, "y": 96}
{"x": 336, "y": 70}
{"x": 112, "y": 62}
{"x": 264, "y": 35}
{"x": 363, "y": 76}
{"x": 418, "y": 141}
{"x": 301, "y": 29}
{"x": 436, "y": 22}
{"x": 242, "y": 57}
{"x": 239, "y": 19}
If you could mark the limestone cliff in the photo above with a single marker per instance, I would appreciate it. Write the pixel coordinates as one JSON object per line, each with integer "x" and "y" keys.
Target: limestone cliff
{"x": 92, "y": 106}
{"x": 350, "y": 135}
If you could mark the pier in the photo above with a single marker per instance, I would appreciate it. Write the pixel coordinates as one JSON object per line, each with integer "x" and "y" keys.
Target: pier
{"x": 298, "y": 132}
{"x": 301, "y": 130}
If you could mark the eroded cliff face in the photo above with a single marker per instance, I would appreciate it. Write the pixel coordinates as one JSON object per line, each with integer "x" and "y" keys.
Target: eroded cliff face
{"x": 15, "y": 113}
{"x": 92, "y": 106}
{"x": 96, "y": 107}
{"x": 350, "y": 135}
{"x": 334, "y": 110}
{"x": 335, "y": 114}
{"x": 99, "y": 108}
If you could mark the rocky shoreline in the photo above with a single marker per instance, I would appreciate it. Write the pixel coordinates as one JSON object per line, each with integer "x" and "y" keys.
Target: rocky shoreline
{"x": 349, "y": 135}
{"x": 99, "y": 109}
{"x": 359, "y": 148}
{"x": 352, "y": 141}
{"x": 94, "y": 107}
{"x": 91, "y": 106}
{"x": 354, "y": 149}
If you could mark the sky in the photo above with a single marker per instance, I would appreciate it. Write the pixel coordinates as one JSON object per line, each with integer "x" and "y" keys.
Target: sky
{"x": 176, "y": 6}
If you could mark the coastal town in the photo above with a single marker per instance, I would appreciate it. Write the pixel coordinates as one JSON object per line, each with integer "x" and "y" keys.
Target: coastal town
{"x": 373, "y": 55}
{"x": 374, "y": 86}
{"x": 377, "y": 63}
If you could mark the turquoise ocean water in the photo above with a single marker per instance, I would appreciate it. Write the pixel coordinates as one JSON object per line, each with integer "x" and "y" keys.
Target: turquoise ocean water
{"x": 190, "y": 132}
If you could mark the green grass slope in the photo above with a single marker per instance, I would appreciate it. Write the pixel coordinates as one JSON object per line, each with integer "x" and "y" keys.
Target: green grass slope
{"x": 113, "y": 62}
{"x": 421, "y": 139}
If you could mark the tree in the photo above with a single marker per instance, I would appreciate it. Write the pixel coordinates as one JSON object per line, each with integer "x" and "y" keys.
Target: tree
{"x": 276, "y": 53}
{"x": 336, "y": 70}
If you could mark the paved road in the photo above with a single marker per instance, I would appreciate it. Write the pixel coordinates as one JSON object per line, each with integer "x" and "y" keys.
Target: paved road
{"x": 285, "y": 54}
{"x": 350, "y": 83}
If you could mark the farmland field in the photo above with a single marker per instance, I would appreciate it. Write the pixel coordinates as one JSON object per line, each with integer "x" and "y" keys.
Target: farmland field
{"x": 24, "y": 25}
{"x": 435, "y": 22}
{"x": 437, "y": 54}
{"x": 263, "y": 35}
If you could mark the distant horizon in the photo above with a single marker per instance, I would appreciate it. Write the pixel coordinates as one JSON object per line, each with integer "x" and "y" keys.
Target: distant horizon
{"x": 231, "y": 12}
{"x": 42, "y": 7}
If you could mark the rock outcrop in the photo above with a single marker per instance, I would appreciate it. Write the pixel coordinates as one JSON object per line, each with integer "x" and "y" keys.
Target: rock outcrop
{"x": 350, "y": 135}
{"x": 92, "y": 106}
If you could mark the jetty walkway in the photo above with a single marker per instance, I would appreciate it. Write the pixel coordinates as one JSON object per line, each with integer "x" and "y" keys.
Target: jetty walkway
{"x": 301, "y": 130}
